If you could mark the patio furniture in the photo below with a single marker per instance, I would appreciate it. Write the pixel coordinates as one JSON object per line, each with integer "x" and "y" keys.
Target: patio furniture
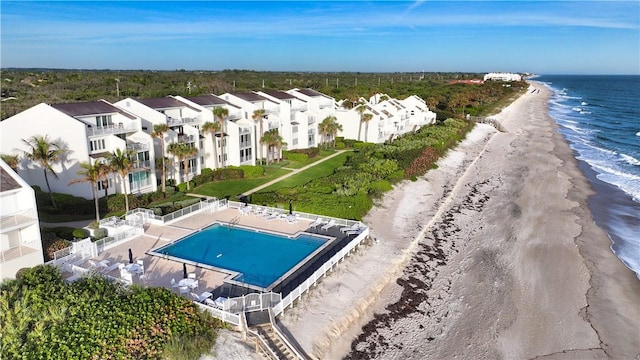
{"x": 353, "y": 227}
{"x": 319, "y": 221}
{"x": 328, "y": 225}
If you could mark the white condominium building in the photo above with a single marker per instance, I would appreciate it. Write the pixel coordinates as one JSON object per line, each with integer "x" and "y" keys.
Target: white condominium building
{"x": 20, "y": 244}
{"x": 89, "y": 131}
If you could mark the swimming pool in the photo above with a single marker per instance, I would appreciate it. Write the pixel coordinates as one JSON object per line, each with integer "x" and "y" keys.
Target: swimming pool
{"x": 260, "y": 258}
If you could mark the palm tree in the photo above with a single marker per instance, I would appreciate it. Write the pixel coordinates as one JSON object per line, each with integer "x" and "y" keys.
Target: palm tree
{"x": 258, "y": 115}
{"x": 91, "y": 174}
{"x": 360, "y": 109}
{"x": 220, "y": 113}
{"x": 366, "y": 118}
{"x": 334, "y": 127}
{"x": 212, "y": 128}
{"x": 273, "y": 139}
{"x": 184, "y": 153}
{"x": 11, "y": 160}
{"x": 103, "y": 172}
{"x": 121, "y": 162}
{"x": 45, "y": 153}
{"x": 158, "y": 132}
{"x": 327, "y": 127}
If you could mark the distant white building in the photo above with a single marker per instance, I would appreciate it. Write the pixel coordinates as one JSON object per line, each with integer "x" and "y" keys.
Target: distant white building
{"x": 20, "y": 243}
{"x": 501, "y": 76}
{"x": 389, "y": 118}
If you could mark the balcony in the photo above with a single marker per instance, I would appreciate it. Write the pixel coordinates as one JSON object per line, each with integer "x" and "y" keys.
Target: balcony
{"x": 136, "y": 146}
{"x": 17, "y": 220}
{"x": 311, "y": 131}
{"x": 181, "y": 121}
{"x": 302, "y": 107}
{"x": 20, "y": 251}
{"x": 118, "y": 128}
{"x": 139, "y": 186}
{"x": 186, "y": 138}
{"x": 326, "y": 104}
{"x": 142, "y": 165}
{"x": 274, "y": 125}
{"x": 245, "y": 144}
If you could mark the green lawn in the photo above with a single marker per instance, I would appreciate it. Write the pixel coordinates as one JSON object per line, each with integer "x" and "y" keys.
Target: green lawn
{"x": 318, "y": 171}
{"x": 231, "y": 188}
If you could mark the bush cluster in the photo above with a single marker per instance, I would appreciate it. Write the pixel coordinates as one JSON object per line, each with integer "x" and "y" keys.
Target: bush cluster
{"x": 230, "y": 173}
{"x": 93, "y": 318}
{"x": 295, "y": 156}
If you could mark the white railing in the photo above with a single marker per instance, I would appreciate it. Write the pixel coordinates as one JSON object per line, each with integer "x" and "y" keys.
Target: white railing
{"x": 17, "y": 218}
{"x": 283, "y": 337}
{"x": 136, "y": 146}
{"x": 120, "y": 237}
{"x": 225, "y": 316}
{"x": 20, "y": 250}
{"x": 147, "y": 215}
{"x": 179, "y": 121}
{"x": 318, "y": 274}
{"x": 119, "y": 128}
{"x": 262, "y": 343}
{"x": 145, "y": 164}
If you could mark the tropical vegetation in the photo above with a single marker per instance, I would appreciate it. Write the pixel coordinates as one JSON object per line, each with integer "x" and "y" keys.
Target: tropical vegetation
{"x": 43, "y": 317}
{"x": 45, "y": 153}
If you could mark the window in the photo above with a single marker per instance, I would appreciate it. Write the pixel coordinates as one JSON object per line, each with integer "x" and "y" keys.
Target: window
{"x": 202, "y": 160}
{"x": 95, "y": 145}
{"x": 295, "y": 142}
{"x": 294, "y": 129}
{"x": 104, "y": 120}
{"x": 101, "y": 185}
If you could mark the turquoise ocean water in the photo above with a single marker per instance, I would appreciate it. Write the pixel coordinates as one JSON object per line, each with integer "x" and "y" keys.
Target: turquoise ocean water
{"x": 600, "y": 118}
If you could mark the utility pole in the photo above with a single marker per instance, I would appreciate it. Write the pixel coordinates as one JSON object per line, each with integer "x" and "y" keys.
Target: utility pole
{"x": 337, "y": 83}
{"x": 189, "y": 86}
{"x": 118, "y": 88}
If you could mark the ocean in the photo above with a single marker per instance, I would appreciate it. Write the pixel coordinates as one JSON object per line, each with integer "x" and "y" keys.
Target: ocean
{"x": 600, "y": 118}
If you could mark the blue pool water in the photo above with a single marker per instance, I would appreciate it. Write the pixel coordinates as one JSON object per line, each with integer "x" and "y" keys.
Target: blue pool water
{"x": 260, "y": 258}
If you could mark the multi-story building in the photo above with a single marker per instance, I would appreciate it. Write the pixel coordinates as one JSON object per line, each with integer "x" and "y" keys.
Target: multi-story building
{"x": 183, "y": 122}
{"x": 20, "y": 243}
{"x": 502, "y": 76}
{"x": 89, "y": 131}
{"x": 239, "y": 135}
{"x": 389, "y": 118}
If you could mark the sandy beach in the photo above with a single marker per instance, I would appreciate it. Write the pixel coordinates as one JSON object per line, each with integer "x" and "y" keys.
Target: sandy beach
{"x": 494, "y": 255}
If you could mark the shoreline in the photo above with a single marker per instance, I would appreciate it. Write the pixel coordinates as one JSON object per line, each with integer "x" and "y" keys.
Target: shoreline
{"x": 516, "y": 267}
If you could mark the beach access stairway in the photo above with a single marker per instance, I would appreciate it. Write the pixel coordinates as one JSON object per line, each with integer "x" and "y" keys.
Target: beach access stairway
{"x": 270, "y": 341}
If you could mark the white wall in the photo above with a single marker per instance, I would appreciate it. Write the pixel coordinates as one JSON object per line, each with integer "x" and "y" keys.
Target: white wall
{"x": 41, "y": 120}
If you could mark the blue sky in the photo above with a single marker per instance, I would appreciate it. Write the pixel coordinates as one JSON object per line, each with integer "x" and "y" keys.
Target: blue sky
{"x": 561, "y": 37}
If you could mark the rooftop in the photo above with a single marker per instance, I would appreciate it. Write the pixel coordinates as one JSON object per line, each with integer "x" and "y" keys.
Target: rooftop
{"x": 7, "y": 182}
{"x": 162, "y": 103}
{"x": 90, "y": 108}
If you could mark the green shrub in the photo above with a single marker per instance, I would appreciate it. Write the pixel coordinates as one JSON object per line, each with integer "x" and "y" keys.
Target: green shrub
{"x": 52, "y": 243}
{"x": 99, "y": 233}
{"x": 170, "y": 190}
{"x": 296, "y": 157}
{"x": 80, "y": 233}
{"x": 252, "y": 172}
{"x": 230, "y": 173}
{"x": 379, "y": 187}
{"x": 340, "y": 145}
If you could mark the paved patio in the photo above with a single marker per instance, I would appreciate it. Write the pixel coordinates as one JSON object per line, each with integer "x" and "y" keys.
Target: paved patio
{"x": 160, "y": 271}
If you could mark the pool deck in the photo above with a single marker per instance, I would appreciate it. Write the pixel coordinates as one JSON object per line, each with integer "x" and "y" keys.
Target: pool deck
{"x": 160, "y": 271}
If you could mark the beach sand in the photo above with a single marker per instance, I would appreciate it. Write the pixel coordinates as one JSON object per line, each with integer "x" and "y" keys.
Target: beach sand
{"x": 493, "y": 255}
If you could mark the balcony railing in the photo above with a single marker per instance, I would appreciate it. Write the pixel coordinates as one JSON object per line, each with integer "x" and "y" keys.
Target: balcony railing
{"x": 245, "y": 144}
{"x": 146, "y": 164}
{"x": 186, "y": 138}
{"x": 118, "y": 128}
{"x": 181, "y": 121}
{"x": 20, "y": 251}
{"x": 274, "y": 125}
{"x": 17, "y": 219}
{"x": 311, "y": 131}
{"x": 299, "y": 108}
{"x": 138, "y": 185}
{"x": 136, "y": 146}
{"x": 326, "y": 104}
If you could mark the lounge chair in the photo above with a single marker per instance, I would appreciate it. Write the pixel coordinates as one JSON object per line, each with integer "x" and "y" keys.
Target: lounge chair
{"x": 354, "y": 232}
{"x": 353, "y": 227}
{"x": 316, "y": 223}
{"x": 272, "y": 217}
{"x": 328, "y": 225}
{"x": 112, "y": 267}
